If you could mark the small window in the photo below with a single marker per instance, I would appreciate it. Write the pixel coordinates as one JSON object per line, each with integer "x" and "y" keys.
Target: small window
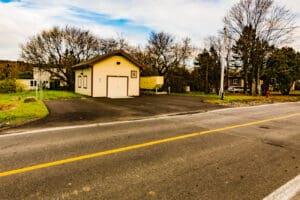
{"x": 79, "y": 81}
{"x": 133, "y": 74}
{"x": 44, "y": 84}
{"x": 33, "y": 83}
{"x": 85, "y": 82}
{"x": 235, "y": 81}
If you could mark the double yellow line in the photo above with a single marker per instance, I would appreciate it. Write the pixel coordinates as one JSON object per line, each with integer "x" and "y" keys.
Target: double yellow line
{"x": 137, "y": 146}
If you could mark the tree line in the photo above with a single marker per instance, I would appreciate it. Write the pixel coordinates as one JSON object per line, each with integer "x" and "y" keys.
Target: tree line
{"x": 255, "y": 30}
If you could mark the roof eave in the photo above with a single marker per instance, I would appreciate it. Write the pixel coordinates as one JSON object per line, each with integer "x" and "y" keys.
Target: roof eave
{"x": 82, "y": 66}
{"x": 96, "y": 59}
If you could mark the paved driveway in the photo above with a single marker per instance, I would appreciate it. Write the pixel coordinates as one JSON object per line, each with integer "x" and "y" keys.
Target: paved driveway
{"x": 91, "y": 110}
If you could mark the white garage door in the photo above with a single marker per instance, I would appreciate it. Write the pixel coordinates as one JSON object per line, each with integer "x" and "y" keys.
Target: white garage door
{"x": 117, "y": 87}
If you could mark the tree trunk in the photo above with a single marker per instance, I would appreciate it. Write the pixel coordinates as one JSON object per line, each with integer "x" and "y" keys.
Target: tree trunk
{"x": 206, "y": 81}
{"x": 245, "y": 79}
{"x": 258, "y": 86}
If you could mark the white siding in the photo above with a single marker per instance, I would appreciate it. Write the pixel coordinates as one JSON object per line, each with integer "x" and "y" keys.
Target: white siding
{"x": 83, "y": 86}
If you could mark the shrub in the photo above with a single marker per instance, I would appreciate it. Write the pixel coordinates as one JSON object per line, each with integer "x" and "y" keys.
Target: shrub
{"x": 177, "y": 83}
{"x": 7, "y": 86}
{"x": 20, "y": 87}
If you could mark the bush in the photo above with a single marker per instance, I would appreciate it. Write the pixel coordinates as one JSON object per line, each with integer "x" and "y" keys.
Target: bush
{"x": 177, "y": 84}
{"x": 20, "y": 87}
{"x": 8, "y": 86}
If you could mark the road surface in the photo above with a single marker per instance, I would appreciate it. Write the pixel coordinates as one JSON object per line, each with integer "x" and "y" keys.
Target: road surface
{"x": 236, "y": 153}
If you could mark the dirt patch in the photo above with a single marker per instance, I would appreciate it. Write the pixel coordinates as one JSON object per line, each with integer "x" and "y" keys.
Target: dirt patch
{"x": 6, "y": 107}
{"x": 95, "y": 110}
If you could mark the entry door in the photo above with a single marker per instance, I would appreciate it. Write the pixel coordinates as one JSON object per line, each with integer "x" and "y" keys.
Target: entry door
{"x": 117, "y": 87}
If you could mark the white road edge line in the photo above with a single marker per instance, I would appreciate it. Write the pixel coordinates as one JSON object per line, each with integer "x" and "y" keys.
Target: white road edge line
{"x": 164, "y": 116}
{"x": 287, "y": 191}
{"x": 249, "y": 107}
{"x": 84, "y": 126}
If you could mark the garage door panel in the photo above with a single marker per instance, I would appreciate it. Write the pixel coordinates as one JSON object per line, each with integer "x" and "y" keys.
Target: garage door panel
{"x": 117, "y": 87}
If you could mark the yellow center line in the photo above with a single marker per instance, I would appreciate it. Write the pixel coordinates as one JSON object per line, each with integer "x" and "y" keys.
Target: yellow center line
{"x": 137, "y": 146}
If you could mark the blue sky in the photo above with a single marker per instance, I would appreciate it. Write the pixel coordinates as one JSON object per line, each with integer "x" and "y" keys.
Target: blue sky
{"x": 105, "y": 19}
{"x": 131, "y": 19}
{"x": 6, "y": 1}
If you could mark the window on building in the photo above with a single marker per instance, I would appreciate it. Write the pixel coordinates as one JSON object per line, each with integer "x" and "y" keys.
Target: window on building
{"x": 85, "y": 82}
{"x": 235, "y": 81}
{"x": 133, "y": 74}
{"x": 33, "y": 83}
{"x": 44, "y": 84}
{"x": 79, "y": 81}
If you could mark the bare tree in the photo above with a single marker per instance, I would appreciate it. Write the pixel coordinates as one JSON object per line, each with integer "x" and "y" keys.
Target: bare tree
{"x": 270, "y": 22}
{"x": 209, "y": 68}
{"x": 56, "y": 50}
{"x": 254, "y": 25}
{"x": 216, "y": 42}
{"x": 107, "y": 45}
{"x": 78, "y": 43}
{"x": 164, "y": 54}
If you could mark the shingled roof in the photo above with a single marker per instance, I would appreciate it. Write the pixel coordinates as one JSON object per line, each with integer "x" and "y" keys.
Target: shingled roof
{"x": 99, "y": 58}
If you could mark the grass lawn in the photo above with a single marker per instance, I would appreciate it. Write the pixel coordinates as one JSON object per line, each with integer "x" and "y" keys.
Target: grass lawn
{"x": 238, "y": 99}
{"x": 14, "y": 111}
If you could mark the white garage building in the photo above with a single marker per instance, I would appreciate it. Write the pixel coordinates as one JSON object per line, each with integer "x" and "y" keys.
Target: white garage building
{"x": 113, "y": 75}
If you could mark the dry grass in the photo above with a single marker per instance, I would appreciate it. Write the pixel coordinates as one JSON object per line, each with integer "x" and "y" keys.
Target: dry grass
{"x": 237, "y": 100}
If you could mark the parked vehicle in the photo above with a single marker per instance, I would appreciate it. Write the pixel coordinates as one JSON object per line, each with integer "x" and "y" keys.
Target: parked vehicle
{"x": 235, "y": 89}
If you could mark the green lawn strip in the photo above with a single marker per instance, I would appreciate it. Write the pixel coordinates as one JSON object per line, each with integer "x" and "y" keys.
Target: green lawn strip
{"x": 14, "y": 111}
{"x": 58, "y": 94}
{"x": 241, "y": 99}
{"x": 22, "y": 112}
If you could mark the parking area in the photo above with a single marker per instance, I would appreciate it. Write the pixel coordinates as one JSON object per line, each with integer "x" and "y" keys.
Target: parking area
{"x": 93, "y": 110}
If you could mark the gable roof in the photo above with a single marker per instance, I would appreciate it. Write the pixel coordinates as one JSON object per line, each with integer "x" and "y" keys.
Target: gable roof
{"x": 89, "y": 63}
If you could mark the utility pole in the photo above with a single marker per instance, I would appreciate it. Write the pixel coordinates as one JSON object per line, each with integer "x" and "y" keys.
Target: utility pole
{"x": 223, "y": 60}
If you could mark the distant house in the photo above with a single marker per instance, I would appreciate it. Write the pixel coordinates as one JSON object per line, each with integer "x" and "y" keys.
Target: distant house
{"x": 234, "y": 78}
{"x": 113, "y": 75}
{"x": 42, "y": 78}
{"x": 29, "y": 75}
{"x": 19, "y": 70}
{"x": 46, "y": 79}
{"x": 235, "y": 81}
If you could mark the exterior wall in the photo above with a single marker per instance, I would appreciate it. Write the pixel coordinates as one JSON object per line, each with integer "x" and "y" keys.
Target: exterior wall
{"x": 109, "y": 67}
{"x": 297, "y": 85}
{"x": 45, "y": 77}
{"x": 83, "y": 86}
{"x": 236, "y": 81}
{"x": 151, "y": 82}
{"x": 28, "y": 84}
{"x": 25, "y": 83}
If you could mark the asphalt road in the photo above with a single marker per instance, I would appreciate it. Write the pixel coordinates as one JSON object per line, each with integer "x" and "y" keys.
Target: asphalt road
{"x": 240, "y": 153}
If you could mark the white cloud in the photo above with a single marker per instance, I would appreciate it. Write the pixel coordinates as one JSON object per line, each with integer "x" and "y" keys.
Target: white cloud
{"x": 180, "y": 17}
{"x": 193, "y": 18}
{"x": 294, "y": 6}
{"x": 21, "y": 20}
